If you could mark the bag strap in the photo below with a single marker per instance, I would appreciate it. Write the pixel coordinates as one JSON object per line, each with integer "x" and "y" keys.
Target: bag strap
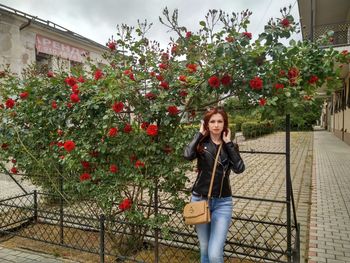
{"x": 214, "y": 171}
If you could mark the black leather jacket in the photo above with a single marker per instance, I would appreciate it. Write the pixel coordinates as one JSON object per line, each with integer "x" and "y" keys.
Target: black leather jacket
{"x": 229, "y": 159}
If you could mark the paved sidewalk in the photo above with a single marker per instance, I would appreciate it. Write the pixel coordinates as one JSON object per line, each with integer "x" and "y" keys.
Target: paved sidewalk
{"x": 329, "y": 238}
{"x": 9, "y": 255}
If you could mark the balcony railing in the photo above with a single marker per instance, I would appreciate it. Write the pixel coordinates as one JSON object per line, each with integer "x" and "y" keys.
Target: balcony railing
{"x": 341, "y": 31}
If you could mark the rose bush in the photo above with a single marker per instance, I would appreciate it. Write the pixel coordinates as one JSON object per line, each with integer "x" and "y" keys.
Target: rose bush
{"x": 116, "y": 133}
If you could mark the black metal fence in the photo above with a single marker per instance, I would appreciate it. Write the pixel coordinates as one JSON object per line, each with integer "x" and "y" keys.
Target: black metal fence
{"x": 81, "y": 225}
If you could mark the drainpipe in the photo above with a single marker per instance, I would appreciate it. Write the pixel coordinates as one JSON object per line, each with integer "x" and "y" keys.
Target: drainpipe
{"x": 312, "y": 21}
{"x": 25, "y": 25}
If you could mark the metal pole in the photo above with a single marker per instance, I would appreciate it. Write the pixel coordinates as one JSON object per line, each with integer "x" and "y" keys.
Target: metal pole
{"x": 156, "y": 231}
{"x": 35, "y": 206}
{"x": 102, "y": 238}
{"x": 61, "y": 211}
{"x": 288, "y": 189}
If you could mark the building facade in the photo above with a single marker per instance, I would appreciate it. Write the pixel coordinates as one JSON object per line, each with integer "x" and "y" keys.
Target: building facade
{"x": 26, "y": 40}
{"x": 318, "y": 17}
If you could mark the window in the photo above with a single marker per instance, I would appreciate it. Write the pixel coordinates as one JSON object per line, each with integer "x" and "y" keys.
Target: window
{"x": 43, "y": 62}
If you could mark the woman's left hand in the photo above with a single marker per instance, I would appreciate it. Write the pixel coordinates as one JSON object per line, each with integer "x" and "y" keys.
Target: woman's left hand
{"x": 227, "y": 136}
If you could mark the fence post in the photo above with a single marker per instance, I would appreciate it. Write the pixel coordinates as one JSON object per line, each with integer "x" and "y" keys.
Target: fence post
{"x": 61, "y": 210}
{"x": 288, "y": 190}
{"x": 102, "y": 238}
{"x": 156, "y": 230}
{"x": 35, "y": 196}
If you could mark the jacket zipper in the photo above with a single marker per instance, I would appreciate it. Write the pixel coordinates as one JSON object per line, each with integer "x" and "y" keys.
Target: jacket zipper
{"x": 222, "y": 180}
{"x": 198, "y": 177}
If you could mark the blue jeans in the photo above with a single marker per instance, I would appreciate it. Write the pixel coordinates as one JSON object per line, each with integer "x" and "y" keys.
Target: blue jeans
{"x": 212, "y": 236}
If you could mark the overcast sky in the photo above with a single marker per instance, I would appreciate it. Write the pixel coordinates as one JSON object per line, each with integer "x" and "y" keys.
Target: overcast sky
{"x": 97, "y": 20}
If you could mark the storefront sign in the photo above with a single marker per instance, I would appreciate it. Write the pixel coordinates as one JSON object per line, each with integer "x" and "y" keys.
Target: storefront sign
{"x": 55, "y": 48}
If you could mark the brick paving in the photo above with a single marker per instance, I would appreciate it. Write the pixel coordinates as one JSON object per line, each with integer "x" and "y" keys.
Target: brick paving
{"x": 8, "y": 255}
{"x": 265, "y": 177}
{"x": 329, "y": 239}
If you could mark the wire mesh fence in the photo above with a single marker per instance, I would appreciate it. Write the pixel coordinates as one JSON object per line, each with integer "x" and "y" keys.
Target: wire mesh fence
{"x": 30, "y": 216}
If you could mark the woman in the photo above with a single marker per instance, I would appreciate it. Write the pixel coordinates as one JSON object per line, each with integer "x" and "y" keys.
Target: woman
{"x": 203, "y": 147}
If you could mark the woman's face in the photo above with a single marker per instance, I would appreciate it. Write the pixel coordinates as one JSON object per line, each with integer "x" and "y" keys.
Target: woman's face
{"x": 216, "y": 124}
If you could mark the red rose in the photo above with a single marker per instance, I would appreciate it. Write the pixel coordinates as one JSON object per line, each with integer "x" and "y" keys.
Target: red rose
{"x": 173, "y": 49}
{"x": 144, "y": 125}
{"x": 10, "y": 103}
{"x": 229, "y": 39}
{"x": 118, "y": 106}
{"x": 285, "y": 22}
{"x": 50, "y": 74}
{"x": 113, "y": 132}
{"x": 127, "y": 71}
{"x": 54, "y": 105}
{"x": 188, "y": 34}
{"x": 24, "y": 95}
{"x": 226, "y": 80}
{"x": 113, "y": 168}
{"x": 152, "y": 130}
{"x": 127, "y": 128}
{"x": 75, "y": 89}
{"x": 13, "y": 161}
{"x": 279, "y": 86}
{"x": 139, "y": 164}
{"x": 307, "y": 97}
{"x": 111, "y": 45}
{"x": 14, "y": 170}
{"x": 165, "y": 56}
{"x": 98, "y": 74}
{"x": 173, "y": 110}
{"x": 85, "y": 177}
{"x": 81, "y": 79}
{"x": 131, "y": 76}
{"x": 69, "y": 105}
{"x": 313, "y": 79}
{"x": 150, "y": 96}
{"x": 159, "y": 77}
{"x": 152, "y": 74}
{"x": 192, "y": 68}
{"x": 293, "y": 73}
{"x": 125, "y": 204}
{"x": 282, "y": 73}
{"x": 4, "y": 146}
{"x": 214, "y": 82}
{"x": 85, "y": 164}
{"x": 74, "y": 98}
{"x": 247, "y": 35}
{"x": 183, "y": 78}
{"x": 256, "y": 83}
{"x": 183, "y": 93}
{"x": 69, "y": 146}
{"x": 163, "y": 66}
{"x": 262, "y": 101}
{"x": 70, "y": 81}
{"x": 164, "y": 85}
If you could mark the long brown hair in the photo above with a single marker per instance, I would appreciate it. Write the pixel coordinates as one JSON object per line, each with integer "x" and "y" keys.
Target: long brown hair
{"x": 206, "y": 119}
